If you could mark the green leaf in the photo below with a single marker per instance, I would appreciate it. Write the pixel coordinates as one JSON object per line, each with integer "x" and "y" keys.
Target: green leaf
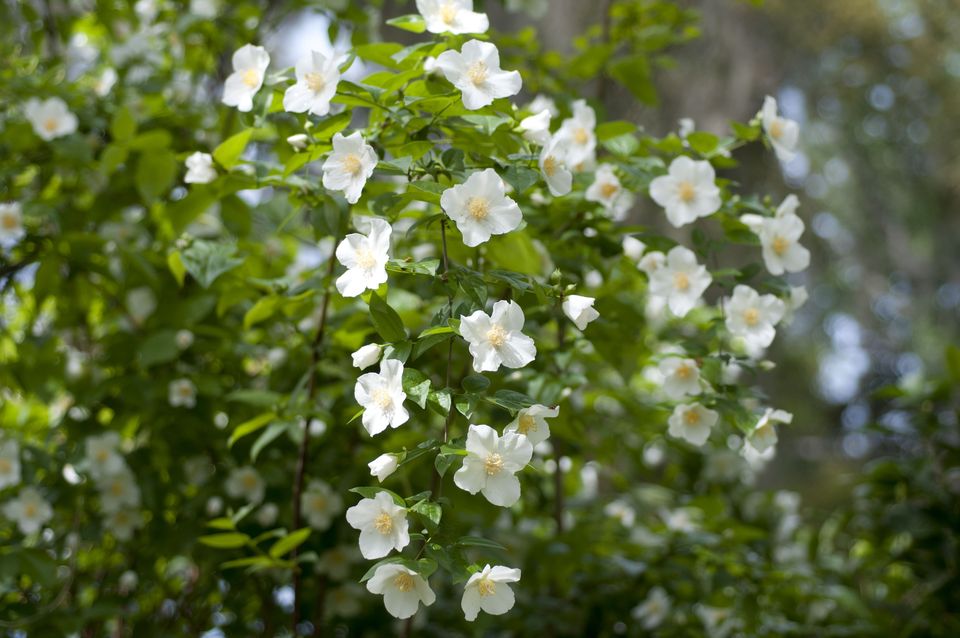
{"x": 267, "y": 437}
{"x": 123, "y": 126}
{"x": 249, "y": 427}
{"x": 412, "y": 22}
{"x": 325, "y": 130}
{"x": 416, "y": 385}
{"x": 155, "y": 174}
{"x": 385, "y": 320}
{"x": 261, "y": 311}
{"x": 633, "y": 73}
{"x": 289, "y": 542}
{"x": 521, "y": 178}
{"x": 159, "y": 348}
{"x": 229, "y": 152}
{"x": 609, "y": 130}
{"x": 477, "y": 541}
{"x": 511, "y": 400}
{"x": 231, "y": 540}
{"x": 430, "y": 511}
{"x": 259, "y": 398}
{"x": 175, "y": 264}
{"x": 371, "y": 492}
{"x": 953, "y": 363}
{"x": 392, "y": 560}
{"x": 205, "y": 260}
{"x": 703, "y": 142}
{"x": 623, "y": 145}
{"x": 475, "y": 383}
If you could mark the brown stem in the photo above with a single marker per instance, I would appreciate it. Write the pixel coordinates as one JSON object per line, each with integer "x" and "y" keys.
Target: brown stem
{"x": 305, "y": 442}
{"x": 436, "y": 484}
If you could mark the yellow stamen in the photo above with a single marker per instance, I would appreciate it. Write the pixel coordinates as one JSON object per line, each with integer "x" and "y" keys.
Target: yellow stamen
{"x": 527, "y": 424}
{"x": 581, "y": 136}
{"x": 251, "y": 78}
{"x": 486, "y": 587}
{"x": 315, "y": 81}
{"x": 403, "y": 582}
{"x": 478, "y": 72}
{"x": 550, "y": 166}
{"x": 776, "y": 128}
{"x": 493, "y": 464}
{"x": 780, "y": 245}
{"x": 366, "y": 259}
{"x": 352, "y": 164}
{"x": 686, "y": 191}
{"x": 478, "y": 207}
{"x": 448, "y": 13}
{"x": 751, "y": 317}
{"x": 29, "y": 510}
{"x": 608, "y": 190}
{"x": 684, "y": 371}
{"x": 681, "y": 281}
{"x": 691, "y": 417}
{"x": 497, "y": 336}
{"x": 383, "y": 523}
{"x": 50, "y": 124}
{"x": 382, "y": 398}
{"x": 9, "y": 222}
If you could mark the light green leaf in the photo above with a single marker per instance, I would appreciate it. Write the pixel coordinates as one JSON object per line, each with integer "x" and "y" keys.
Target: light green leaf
{"x": 229, "y": 152}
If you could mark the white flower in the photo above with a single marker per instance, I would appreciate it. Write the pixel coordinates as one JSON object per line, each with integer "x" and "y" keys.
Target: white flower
{"x": 383, "y": 466}
{"x": 182, "y": 393}
{"x": 779, "y": 236}
{"x": 317, "y": 78}
{"x": 429, "y": 65}
{"x": 141, "y": 302}
{"x": 579, "y": 310}
{"x": 536, "y": 128}
{"x": 652, "y": 262}
{"x": 680, "y": 280}
{"x": 654, "y": 609}
{"x": 692, "y": 422}
{"x": 381, "y": 396}
{"x": 349, "y": 166}
{"x": 717, "y": 621}
{"x": 9, "y": 463}
{"x": 686, "y": 126}
{"x": 382, "y": 523}
{"x": 753, "y": 316}
{"x": 319, "y": 504}
{"x": 11, "y": 224}
{"x": 496, "y": 340}
{"x": 128, "y": 582}
{"x": 366, "y": 356}
{"x": 475, "y": 70}
{"x": 687, "y": 191}
{"x": 104, "y": 84}
{"x": 452, "y": 16}
{"x": 267, "y": 514}
{"x": 798, "y": 297}
{"x": 365, "y": 257}
{"x": 543, "y": 103}
{"x": 764, "y": 435}
{"x": 553, "y": 166}
{"x": 245, "y": 483}
{"x": 480, "y": 207}
{"x": 606, "y": 190}
{"x": 782, "y": 132}
{"x": 214, "y": 506}
{"x": 184, "y": 339}
{"x": 531, "y": 422}
{"x": 102, "y": 456}
{"x": 622, "y": 512}
{"x": 249, "y": 65}
{"x": 403, "y": 590}
{"x": 681, "y": 377}
{"x": 200, "y": 169}
{"x": 122, "y": 523}
{"x": 29, "y": 510}
{"x": 205, "y": 8}
{"x": 298, "y": 141}
{"x": 633, "y": 248}
{"x": 51, "y": 118}
{"x": 578, "y": 132}
{"x": 683, "y": 519}
{"x": 491, "y": 462}
{"x": 119, "y": 491}
{"x": 488, "y": 590}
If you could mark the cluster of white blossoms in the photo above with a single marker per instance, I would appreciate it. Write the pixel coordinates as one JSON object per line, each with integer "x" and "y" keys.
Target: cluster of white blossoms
{"x": 119, "y": 492}
{"x": 29, "y": 510}
{"x": 11, "y": 224}
{"x": 182, "y": 393}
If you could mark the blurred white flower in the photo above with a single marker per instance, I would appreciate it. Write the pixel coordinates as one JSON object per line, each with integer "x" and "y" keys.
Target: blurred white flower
{"x": 184, "y": 339}
{"x": 50, "y": 118}
{"x": 452, "y": 16}
{"x": 9, "y": 463}
{"x": 118, "y": 491}
{"x": 681, "y": 377}
{"x": 654, "y": 609}
{"x": 122, "y": 523}
{"x": 553, "y": 166}
{"x": 783, "y": 133}
{"x": 687, "y": 192}
{"x": 200, "y": 169}
{"x": 532, "y": 423}
{"x": 752, "y": 316}
{"x": 29, "y": 510}
{"x": 606, "y": 190}
{"x": 579, "y": 310}
{"x": 249, "y": 66}
{"x": 267, "y": 514}
{"x": 317, "y": 77}
{"x": 633, "y": 248}
{"x": 11, "y": 223}
{"x": 182, "y": 393}
{"x": 680, "y": 280}
{"x": 319, "y": 504}
{"x": 578, "y": 133}
{"x": 536, "y": 128}
{"x": 102, "y": 455}
{"x": 692, "y": 422}
{"x": 104, "y": 84}
{"x": 764, "y": 435}
{"x": 780, "y": 238}
{"x": 141, "y": 302}
{"x": 245, "y": 483}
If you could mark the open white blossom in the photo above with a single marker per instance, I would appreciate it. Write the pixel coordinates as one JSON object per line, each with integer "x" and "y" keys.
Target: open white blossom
{"x": 349, "y": 166}
{"x": 578, "y": 132}
{"x": 607, "y": 190}
{"x": 654, "y": 609}
{"x": 491, "y": 463}
{"x": 104, "y": 84}
{"x": 141, "y": 303}
{"x": 11, "y": 223}
{"x": 532, "y": 423}
{"x": 681, "y": 377}
{"x": 50, "y": 118}
{"x": 122, "y": 523}
{"x": 383, "y": 466}
{"x": 579, "y": 310}
{"x": 266, "y": 514}
{"x": 182, "y": 393}
{"x": 633, "y": 248}
{"x": 541, "y": 102}
{"x": 783, "y": 133}
{"x": 29, "y": 510}
{"x": 686, "y": 126}
{"x": 687, "y": 192}
{"x": 382, "y": 523}
{"x": 487, "y": 590}
{"x": 249, "y": 66}
{"x": 317, "y": 77}
{"x": 102, "y": 455}
{"x": 496, "y": 339}
{"x": 480, "y": 207}
{"x": 692, "y": 422}
{"x": 475, "y": 70}
{"x": 9, "y": 463}
{"x": 365, "y": 257}
{"x": 680, "y": 280}
{"x": 245, "y": 483}
{"x": 402, "y": 588}
{"x": 381, "y": 396}
{"x": 752, "y": 316}
{"x": 184, "y": 339}
{"x": 536, "y": 128}
{"x": 764, "y": 435}
{"x": 366, "y": 356}
{"x": 780, "y": 238}
{"x": 452, "y": 16}
{"x": 200, "y": 169}
{"x": 319, "y": 504}
{"x": 553, "y": 166}
{"x": 118, "y": 491}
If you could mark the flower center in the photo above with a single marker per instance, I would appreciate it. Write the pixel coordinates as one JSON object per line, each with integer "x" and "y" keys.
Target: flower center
{"x": 478, "y": 72}
{"x": 550, "y": 165}
{"x": 686, "y": 192}
{"x": 486, "y": 587}
{"x": 383, "y": 523}
{"x": 478, "y": 207}
{"x": 116, "y": 488}
{"x": 780, "y": 245}
{"x": 9, "y": 222}
{"x": 527, "y": 424}
{"x": 5, "y": 466}
{"x": 382, "y": 398}
{"x": 185, "y": 391}
{"x": 493, "y": 464}
{"x": 50, "y": 124}
{"x": 403, "y": 582}
{"x": 608, "y": 190}
{"x": 366, "y": 259}
{"x": 352, "y": 164}
{"x": 581, "y": 136}
{"x": 318, "y": 503}
{"x": 102, "y": 455}
{"x": 251, "y": 78}
{"x": 29, "y": 510}
{"x": 448, "y": 13}
{"x": 776, "y": 128}
{"x": 249, "y": 481}
{"x": 751, "y": 316}
{"x": 691, "y": 417}
{"x": 315, "y": 81}
{"x": 684, "y": 372}
{"x": 681, "y": 281}
{"x": 497, "y": 336}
